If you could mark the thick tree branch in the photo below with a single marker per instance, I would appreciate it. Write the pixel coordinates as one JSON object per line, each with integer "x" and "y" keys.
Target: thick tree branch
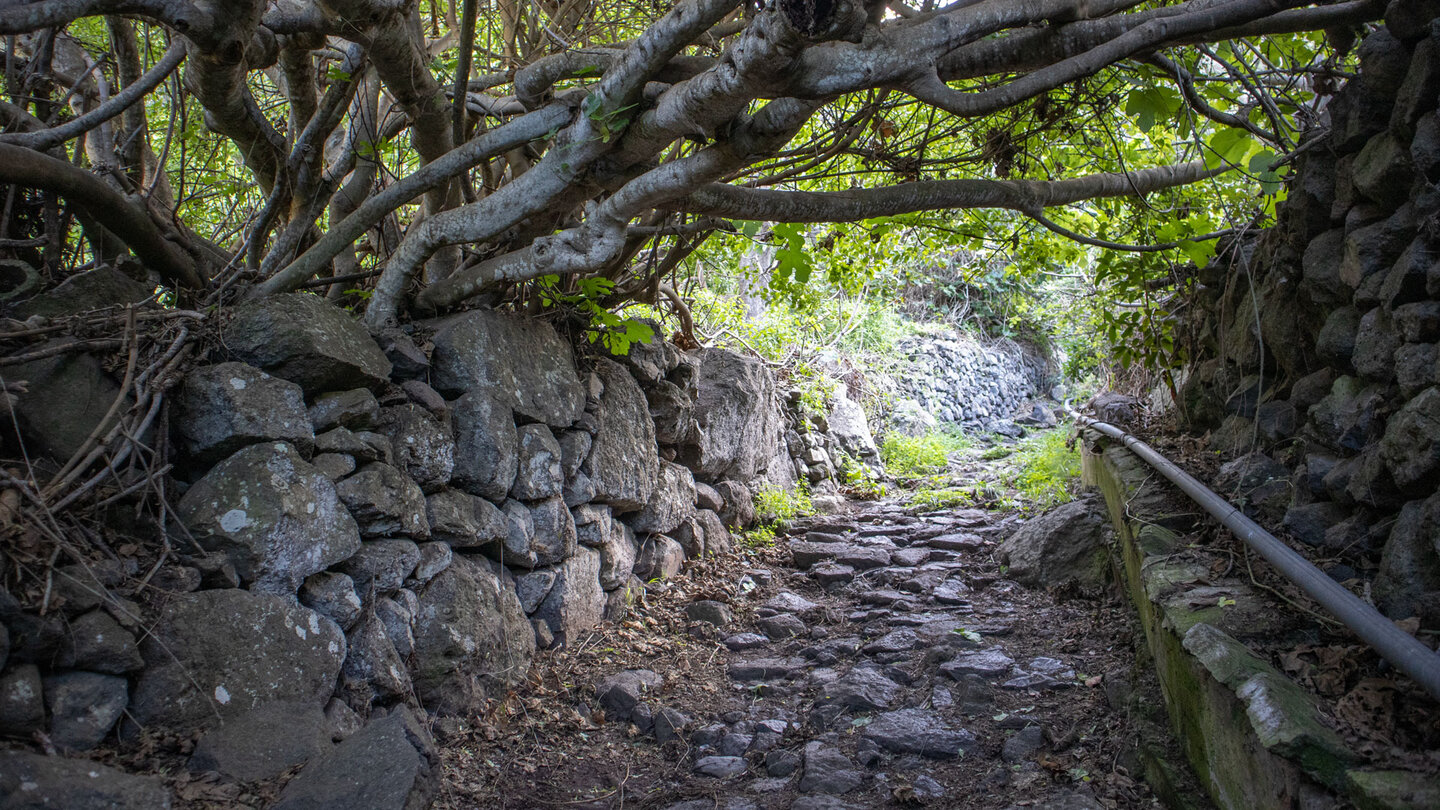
{"x": 126, "y": 219}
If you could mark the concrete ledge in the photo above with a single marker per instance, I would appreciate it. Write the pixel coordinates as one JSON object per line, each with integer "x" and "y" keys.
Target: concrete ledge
{"x": 1256, "y": 739}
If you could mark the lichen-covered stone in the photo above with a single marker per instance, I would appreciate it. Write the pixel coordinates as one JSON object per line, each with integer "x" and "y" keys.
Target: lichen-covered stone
{"x": 219, "y": 654}
{"x": 424, "y": 448}
{"x": 276, "y": 517}
{"x": 524, "y": 363}
{"x": 385, "y": 502}
{"x": 539, "y": 474}
{"x": 307, "y": 340}
{"x": 623, "y": 462}
{"x": 576, "y": 602}
{"x": 487, "y": 446}
{"x": 671, "y": 502}
{"x": 224, "y": 407}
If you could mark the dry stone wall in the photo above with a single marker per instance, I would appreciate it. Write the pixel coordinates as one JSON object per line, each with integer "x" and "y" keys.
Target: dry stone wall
{"x": 956, "y": 380}
{"x": 380, "y": 524}
{"x": 1318, "y": 338}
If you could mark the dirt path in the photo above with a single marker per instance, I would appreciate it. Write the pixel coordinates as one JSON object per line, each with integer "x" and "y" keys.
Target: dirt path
{"x": 880, "y": 661}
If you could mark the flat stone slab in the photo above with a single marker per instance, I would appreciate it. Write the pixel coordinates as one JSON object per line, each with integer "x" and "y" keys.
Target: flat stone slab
{"x": 961, "y": 541}
{"x": 990, "y": 663}
{"x": 720, "y": 767}
{"x": 761, "y": 669}
{"x": 918, "y": 731}
{"x": 35, "y": 781}
{"x": 787, "y": 602}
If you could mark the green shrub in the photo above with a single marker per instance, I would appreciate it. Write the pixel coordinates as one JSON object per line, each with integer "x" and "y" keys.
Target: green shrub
{"x": 758, "y": 537}
{"x": 915, "y": 456}
{"x": 774, "y": 505}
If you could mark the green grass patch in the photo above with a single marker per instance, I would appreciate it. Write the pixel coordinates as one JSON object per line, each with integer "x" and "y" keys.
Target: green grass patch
{"x": 930, "y": 500}
{"x": 1047, "y": 470}
{"x": 917, "y": 456}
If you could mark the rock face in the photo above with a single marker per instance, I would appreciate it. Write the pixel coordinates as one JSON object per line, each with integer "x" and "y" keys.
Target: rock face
{"x": 36, "y": 781}
{"x": 304, "y": 339}
{"x": 487, "y": 446}
{"x": 225, "y": 407}
{"x": 219, "y": 654}
{"x": 624, "y": 462}
{"x": 275, "y": 517}
{"x": 737, "y": 418}
{"x": 388, "y": 765}
{"x": 524, "y": 364}
{"x": 471, "y": 637}
{"x": 1066, "y": 545}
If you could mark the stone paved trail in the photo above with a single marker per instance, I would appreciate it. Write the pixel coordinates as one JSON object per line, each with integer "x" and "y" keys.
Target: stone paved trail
{"x": 877, "y": 659}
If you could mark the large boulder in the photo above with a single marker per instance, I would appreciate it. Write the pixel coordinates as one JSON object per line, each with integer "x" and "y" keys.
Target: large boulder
{"x": 263, "y": 743}
{"x": 850, "y": 428}
{"x": 670, "y": 504}
{"x": 64, "y": 399}
{"x": 738, "y": 418}
{"x": 33, "y": 781}
{"x": 100, "y": 288}
{"x": 472, "y": 640}
{"x": 1064, "y": 546}
{"x": 218, "y": 654}
{"x": 227, "y": 406}
{"x": 1409, "y": 580}
{"x": 487, "y": 447}
{"x": 624, "y": 461}
{"x": 307, "y": 340}
{"x": 388, "y": 765}
{"x": 523, "y": 363}
{"x": 276, "y": 517}
{"x": 575, "y": 602}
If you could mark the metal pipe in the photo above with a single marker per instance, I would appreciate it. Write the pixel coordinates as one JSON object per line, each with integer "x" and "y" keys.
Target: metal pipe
{"x": 1401, "y": 649}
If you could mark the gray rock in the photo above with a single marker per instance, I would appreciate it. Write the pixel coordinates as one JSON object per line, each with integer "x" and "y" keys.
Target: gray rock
{"x": 362, "y": 446}
{"x": 660, "y": 558}
{"x": 304, "y": 339}
{"x": 486, "y": 446}
{"x": 334, "y": 465}
{"x": 222, "y": 653}
{"x": 83, "y": 707}
{"x": 576, "y": 603}
{"x": 1067, "y": 545}
{"x": 1350, "y": 416}
{"x": 388, "y": 765}
{"x": 805, "y": 555}
{"x": 1308, "y": 523}
{"x": 918, "y": 731}
{"x": 989, "y": 663}
{"x": 381, "y": 565}
{"x": 671, "y": 502}
{"x": 64, "y": 400}
{"x": 717, "y": 537}
{"x": 22, "y": 701}
{"x": 782, "y": 763}
{"x": 574, "y": 449}
{"x": 409, "y": 360}
{"x": 1411, "y": 444}
{"x": 555, "y": 537}
{"x": 617, "y": 556}
{"x": 1382, "y": 171}
{"x": 902, "y": 640}
{"x": 1375, "y": 345}
{"x": 783, "y": 626}
{"x": 524, "y": 363}
{"x": 862, "y": 689}
{"x": 540, "y": 475}
{"x": 277, "y": 518}
{"x": 355, "y": 409}
{"x": 745, "y": 641}
{"x": 1409, "y": 574}
{"x": 737, "y": 415}
{"x": 397, "y": 616}
{"x": 341, "y": 720}
{"x": 373, "y": 669}
{"x": 738, "y": 507}
{"x": 225, "y": 407}
{"x": 102, "y": 287}
{"x": 264, "y": 742}
{"x": 1415, "y": 367}
{"x": 1061, "y": 801}
{"x": 709, "y": 611}
{"x": 624, "y": 463}
{"x": 472, "y": 640}
{"x": 33, "y": 781}
{"x": 788, "y": 602}
{"x": 851, "y": 429}
{"x": 764, "y": 669}
{"x": 620, "y": 693}
{"x": 426, "y": 397}
{"x": 423, "y": 446}
{"x": 434, "y": 558}
{"x": 1023, "y": 744}
{"x": 544, "y": 639}
{"x": 828, "y": 771}
{"x": 720, "y": 767}
{"x": 333, "y": 596}
{"x": 669, "y": 724}
{"x": 464, "y": 520}
{"x": 673, "y": 411}
{"x": 707, "y": 497}
{"x": 385, "y": 502}
{"x": 532, "y": 587}
{"x": 96, "y": 642}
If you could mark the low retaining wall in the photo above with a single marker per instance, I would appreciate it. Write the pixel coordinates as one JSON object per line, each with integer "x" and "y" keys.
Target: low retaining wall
{"x": 1256, "y": 739}
{"x": 959, "y": 381}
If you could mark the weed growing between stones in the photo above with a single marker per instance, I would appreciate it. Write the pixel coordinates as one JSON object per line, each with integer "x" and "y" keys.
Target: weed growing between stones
{"x": 1049, "y": 468}
{"x": 777, "y": 506}
{"x": 916, "y": 456}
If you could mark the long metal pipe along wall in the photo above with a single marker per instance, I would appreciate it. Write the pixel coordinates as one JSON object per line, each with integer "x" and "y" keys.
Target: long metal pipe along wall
{"x": 1401, "y": 649}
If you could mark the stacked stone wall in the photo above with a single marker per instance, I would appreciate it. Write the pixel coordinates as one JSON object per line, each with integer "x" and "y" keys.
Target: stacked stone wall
{"x": 1318, "y": 338}
{"x": 370, "y": 524}
{"x": 958, "y": 380}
